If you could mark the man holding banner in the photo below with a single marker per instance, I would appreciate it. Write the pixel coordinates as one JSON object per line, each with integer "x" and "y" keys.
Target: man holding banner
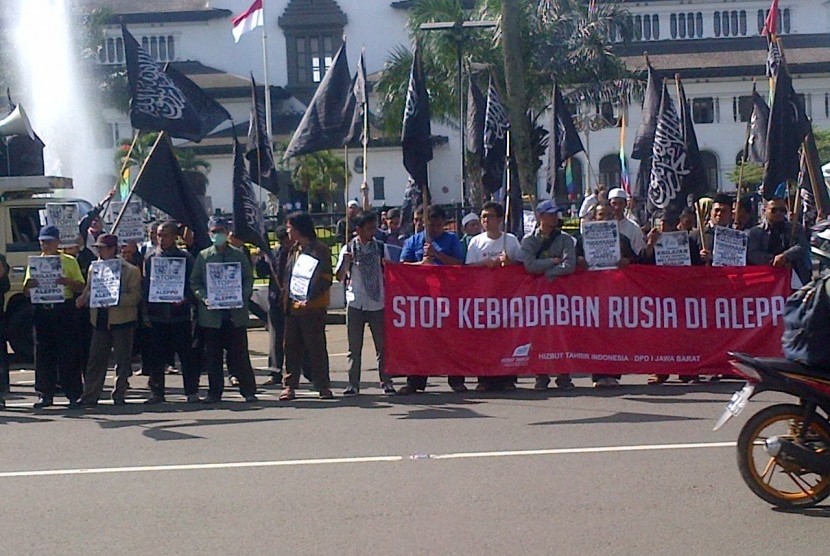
{"x": 222, "y": 282}
{"x": 167, "y": 310}
{"x": 113, "y": 293}
{"x": 550, "y": 252}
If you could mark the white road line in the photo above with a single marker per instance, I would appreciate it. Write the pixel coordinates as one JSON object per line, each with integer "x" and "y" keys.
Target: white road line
{"x": 365, "y": 459}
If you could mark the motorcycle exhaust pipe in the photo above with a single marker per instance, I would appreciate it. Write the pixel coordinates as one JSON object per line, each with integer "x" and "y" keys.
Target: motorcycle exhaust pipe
{"x": 785, "y": 449}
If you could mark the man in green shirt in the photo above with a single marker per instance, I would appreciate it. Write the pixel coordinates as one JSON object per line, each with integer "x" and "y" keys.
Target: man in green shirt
{"x": 54, "y": 324}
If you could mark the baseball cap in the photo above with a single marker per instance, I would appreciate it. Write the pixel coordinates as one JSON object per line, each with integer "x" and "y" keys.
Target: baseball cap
{"x": 353, "y": 203}
{"x": 547, "y": 207}
{"x": 217, "y": 222}
{"x": 107, "y": 240}
{"x": 49, "y": 232}
{"x": 618, "y": 193}
{"x": 472, "y": 217}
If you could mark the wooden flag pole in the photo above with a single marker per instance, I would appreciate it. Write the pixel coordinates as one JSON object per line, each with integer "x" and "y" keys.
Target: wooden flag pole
{"x": 507, "y": 205}
{"x": 162, "y": 137}
{"x": 814, "y": 171}
{"x": 699, "y": 225}
{"x": 346, "y": 237}
{"x": 799, "y": 202}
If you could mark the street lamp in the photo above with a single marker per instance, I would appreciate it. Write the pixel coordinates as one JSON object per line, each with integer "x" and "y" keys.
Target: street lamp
{"x": 457, "y": 30}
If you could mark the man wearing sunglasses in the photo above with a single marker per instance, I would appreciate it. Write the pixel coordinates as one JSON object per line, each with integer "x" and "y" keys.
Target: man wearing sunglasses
{"x": 779, "y": 243}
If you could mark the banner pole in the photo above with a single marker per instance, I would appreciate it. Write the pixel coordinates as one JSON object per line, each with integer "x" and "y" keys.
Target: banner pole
{"x": 162, "y": 136}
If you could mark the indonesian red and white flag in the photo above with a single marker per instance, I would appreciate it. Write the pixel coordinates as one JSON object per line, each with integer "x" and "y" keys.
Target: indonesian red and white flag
{"x": 248, "y": 21}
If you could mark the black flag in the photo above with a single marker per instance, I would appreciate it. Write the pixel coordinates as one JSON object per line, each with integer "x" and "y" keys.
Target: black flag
{"x": 161, "y": 184}
{"x": 476, "y": 109}
{"x": 695, "y": 182}
{"x": 773, "y": 58}
{"x": 248, "y": 223}
{"x": 496, "y": 126}
{"x": 327, "y": 119}
{"x": 262, "y": 169}
{"x": 648, "y": 120}
{"x": 785, "y": 131}
{"x": 758, "y": 123}
{"x": 359, "y": 100}
{"x": 167, "y": 101}
{"x": 563, "y": 140}
{"x": 416, "y": 138}
{"x": 668, "y": 159}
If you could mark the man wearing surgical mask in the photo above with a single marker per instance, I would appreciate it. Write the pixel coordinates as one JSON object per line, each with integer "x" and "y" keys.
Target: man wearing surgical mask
{"x": 224, "y": 330}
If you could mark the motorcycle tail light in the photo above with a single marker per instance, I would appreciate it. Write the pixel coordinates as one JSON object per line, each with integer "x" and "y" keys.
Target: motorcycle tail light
{"x": 746, "y": 371}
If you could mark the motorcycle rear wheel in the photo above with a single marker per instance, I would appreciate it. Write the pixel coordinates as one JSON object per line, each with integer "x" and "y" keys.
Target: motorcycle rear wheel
{"x": 782, "y": 484}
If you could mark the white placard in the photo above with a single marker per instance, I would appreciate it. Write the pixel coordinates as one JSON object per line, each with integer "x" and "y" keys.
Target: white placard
{"x": 729, "y": 247}
{"x": 301, "y": 277}
{"x": 105, "y": 283}
{"x": 46, "y": 270}
{"x": 167, "y": 275}
{"x": 131, "y": 227}
{"x": 64, "y": 216}
{"x": 224, "y": 286}
{"x": 601, "y": 244}
{"x": 672, "y": 249}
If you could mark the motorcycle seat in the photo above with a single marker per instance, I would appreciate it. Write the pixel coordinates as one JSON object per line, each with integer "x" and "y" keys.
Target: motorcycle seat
{"x": 783, "y": 365}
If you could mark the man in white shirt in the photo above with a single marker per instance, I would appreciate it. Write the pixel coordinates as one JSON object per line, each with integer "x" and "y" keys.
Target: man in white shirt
{"x": 493, "y": 248}
{"x": 360, "y": 266}
{"x": 618, "y": 199}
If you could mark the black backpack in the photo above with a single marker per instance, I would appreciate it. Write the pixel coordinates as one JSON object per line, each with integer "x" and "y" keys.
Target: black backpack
{"x": 806, "y": 337}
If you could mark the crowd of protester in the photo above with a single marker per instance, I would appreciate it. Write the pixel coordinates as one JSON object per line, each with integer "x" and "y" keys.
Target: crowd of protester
{"x": 74, "y": 343}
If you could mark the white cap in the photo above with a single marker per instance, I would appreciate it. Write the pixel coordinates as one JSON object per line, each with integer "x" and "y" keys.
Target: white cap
{"x": 353, "y": 203}
{"x": 472, "y": 217}
{"x": 618, "y": 193}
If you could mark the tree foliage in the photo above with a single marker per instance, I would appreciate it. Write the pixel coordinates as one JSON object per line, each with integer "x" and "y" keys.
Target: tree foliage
{"x": 322, "y": 175}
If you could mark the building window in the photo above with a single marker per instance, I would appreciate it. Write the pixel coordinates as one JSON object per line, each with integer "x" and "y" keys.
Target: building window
{"x": 108, "y": 135}
{"x": 742, "y": 108}
{"x": 703, "y": 110}
{"x": 784, "y": 20}
{"x": 673, "y": 25}
{"x": 710, "y": 167}
{"x": 716, "y": 23}
{"x": 161, "y": 48}
{"x": 655, "y": 26}
{"x": 378, "y": 189}
{"x": 686, "y": 25}
{"x": 610, "y": 174}
{"x": 827, "y": 105}
{"x": 313, "y": 32}
{"x": 742, "y": 22}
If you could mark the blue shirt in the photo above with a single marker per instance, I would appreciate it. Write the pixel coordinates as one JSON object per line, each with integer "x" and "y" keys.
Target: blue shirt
{"x": 447, "y": 243}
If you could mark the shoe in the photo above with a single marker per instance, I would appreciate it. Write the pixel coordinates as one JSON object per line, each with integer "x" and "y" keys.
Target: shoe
{"x": 87, "y": 403}
{"x": 388, "y": 387}
{"x": 325, "y": 394}
{"x": 2, "y": 404}
{"x": 509, "y": 386}
{"x": 482, "y": 387}
{"x": 715, "y": 378}
{"x": 657, "y": 379}
{"x": 458, "y": 388}
{"x": 287, "y": 394}
{"x": 43, "y": 402}
{"x": 406, "y": 390}
{"x": 75, "y": 404}
{"x": 233, "y": 381}
{"x": 193, "y": 398}
{"x": 542, "y": 383}
{"x": 251, "y": 398}
{"x": 605, "y": 382}
{"x": 564, "y": 384}
{"x": 138, "y": 372}
{"x": 171, "y": 370}
{"x": 154, "y": 399}
{"x": 119, "y": 401}
{"x": 210, "y": 400}
{"x": 273, "y": 380}
{"x": 350, "y": 391}
{"x": 694, "y": 379}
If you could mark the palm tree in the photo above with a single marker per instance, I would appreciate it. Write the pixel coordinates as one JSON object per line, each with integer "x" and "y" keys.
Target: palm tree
{"x": 322, "y": 175}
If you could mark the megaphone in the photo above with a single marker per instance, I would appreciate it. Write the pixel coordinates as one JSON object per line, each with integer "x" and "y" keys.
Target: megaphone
{"x": 16, "y": 123}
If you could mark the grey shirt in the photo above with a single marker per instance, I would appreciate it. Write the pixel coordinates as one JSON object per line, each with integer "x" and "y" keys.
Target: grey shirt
{"x": 537, "y": 262}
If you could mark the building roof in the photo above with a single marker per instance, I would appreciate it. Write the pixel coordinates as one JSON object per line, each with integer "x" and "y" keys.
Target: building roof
{"x": 221, "y": 84}
{"x": 156, "y": 11}
{"x": 723, "y": 58}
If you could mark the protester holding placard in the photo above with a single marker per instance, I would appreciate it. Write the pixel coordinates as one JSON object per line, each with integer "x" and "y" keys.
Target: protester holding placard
{"x": 618, "y": 199}
{"x": 222, "y": 282}
{"x": 360, "y": 266}
{"x": 167, "y": 310}
{"x": 720, "y": 214}
{"x": 779, "y": 243}
{"x": 114, "y": 314}
{"x": 550, "y": 252}
{"x": 308, "y": 275}
{"x": 55, "y": 337}
{"x": 601, "y": 245}
{"x": 680, "y": 250}
{"x": 432, "y": 245}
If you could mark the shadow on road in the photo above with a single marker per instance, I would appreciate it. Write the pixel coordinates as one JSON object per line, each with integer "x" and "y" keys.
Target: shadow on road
{"x": 818, "y": 511}
{"x": 621, "y": 417}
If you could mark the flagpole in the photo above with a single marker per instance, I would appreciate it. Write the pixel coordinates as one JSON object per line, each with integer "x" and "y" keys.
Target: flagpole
{"x": 267, "y": 88}
{"x": 162, "y": 136}
{"x": 507, "y": 188}
{"x": 745, "y": 153}
{"x": 346, "y": 191}
{"x": 809, "y": 145}
{"x": 124, "y": 162}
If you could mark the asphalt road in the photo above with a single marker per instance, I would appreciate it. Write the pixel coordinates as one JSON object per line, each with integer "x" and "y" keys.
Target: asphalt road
{"x": 632, "y": 470}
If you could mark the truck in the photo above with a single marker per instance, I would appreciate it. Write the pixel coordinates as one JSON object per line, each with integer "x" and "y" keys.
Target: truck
{"x": 22, "y": 213}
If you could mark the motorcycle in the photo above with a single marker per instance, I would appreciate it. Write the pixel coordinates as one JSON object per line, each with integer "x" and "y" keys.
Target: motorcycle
{"x": 784, "y": 449}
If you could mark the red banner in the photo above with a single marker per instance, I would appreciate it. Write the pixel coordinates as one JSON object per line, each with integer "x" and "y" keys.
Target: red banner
{"x": 644, "y": 319}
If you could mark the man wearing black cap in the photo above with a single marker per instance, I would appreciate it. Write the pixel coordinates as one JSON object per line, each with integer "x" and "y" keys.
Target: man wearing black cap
{"x": 113, "y": 328}
{"x": 54, "y": 328}
{"x": 224, "y": 329}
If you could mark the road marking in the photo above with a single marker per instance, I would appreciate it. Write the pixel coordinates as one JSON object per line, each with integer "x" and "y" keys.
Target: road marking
{"x": 364, "y": 459}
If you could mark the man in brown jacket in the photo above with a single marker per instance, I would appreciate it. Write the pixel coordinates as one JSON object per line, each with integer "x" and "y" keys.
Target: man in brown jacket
{"x": 306, "y": 299}
{"x": 113, "y": 328}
